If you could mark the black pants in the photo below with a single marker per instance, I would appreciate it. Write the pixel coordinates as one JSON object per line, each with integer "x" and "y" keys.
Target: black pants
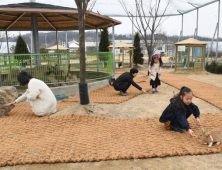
{"x": 155, "y": 83}
{"x": 175, "y": 122}
{"x": 122, "y": 86}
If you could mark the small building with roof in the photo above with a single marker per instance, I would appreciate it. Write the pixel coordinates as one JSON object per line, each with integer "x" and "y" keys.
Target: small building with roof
{"x": 190, "y": 54}
{"x": 73, "y": 46}
{"x": 54, "y": 48}
{"x": 127, "y": 59}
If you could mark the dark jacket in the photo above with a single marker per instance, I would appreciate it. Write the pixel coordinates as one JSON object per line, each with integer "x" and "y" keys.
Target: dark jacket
{"x": 171, "y": 112}
{"x": 126, "y": 77}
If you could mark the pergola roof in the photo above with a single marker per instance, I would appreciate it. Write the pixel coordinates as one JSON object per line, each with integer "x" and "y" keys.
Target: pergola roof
{"x": 60, "y": 47}
{"x": 121, "y": 45}
{"x": 17, "y": 17}
{"x": 191, "y": 41}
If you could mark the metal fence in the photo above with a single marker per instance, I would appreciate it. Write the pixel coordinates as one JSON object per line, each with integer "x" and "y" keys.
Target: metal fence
{"x": 55, "y": 69}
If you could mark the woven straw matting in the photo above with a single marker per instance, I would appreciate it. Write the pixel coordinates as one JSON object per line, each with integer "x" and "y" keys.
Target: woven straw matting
{"x": 108, "y": 95}
{"x": 22, "y": 112}
{"x": 76, "y": 138}
{"x": 207, "y": 92}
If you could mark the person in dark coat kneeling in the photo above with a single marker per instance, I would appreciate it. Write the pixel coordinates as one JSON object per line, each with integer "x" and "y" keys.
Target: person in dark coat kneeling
{"x": 179, "y": 110}
{"x": 123, "y": 82}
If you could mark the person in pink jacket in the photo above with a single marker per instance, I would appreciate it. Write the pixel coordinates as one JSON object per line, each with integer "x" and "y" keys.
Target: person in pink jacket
{"x": 154, "y": 72}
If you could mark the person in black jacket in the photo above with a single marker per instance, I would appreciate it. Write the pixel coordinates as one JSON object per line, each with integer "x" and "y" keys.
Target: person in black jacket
{"x": 178, "y": 111}
{"x": 123, "y": 82}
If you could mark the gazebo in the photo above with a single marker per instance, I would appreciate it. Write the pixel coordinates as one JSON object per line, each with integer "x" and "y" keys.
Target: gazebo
{"x": 60, "y": 48}
{"x": 123, "y": 46}
{"x": 190, "y": 54}
{"x": 36, "y": 17}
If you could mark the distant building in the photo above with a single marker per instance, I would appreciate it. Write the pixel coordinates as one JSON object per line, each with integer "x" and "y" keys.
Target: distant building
{"x": 73, "y": 46}
{"x": 4, "y": 50}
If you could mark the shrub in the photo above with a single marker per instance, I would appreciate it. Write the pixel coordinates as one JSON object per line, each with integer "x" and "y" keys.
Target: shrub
{"x": 212, "y": 67}
{"x": 218, "y": 69}
{"x": 207, "y": 67}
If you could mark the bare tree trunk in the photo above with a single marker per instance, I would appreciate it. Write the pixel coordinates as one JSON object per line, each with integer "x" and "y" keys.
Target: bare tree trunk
{"x": 81, "y": 18}
{"x": 83, "y": 87}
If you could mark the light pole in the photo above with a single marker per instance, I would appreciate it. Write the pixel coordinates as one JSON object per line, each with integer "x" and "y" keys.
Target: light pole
{"x": 45, "y": 41}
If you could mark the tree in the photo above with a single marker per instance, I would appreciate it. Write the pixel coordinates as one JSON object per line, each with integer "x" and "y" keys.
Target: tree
{"x": 42, "y": 50}
{"x": 148, "y": 24}
{"x": 137, "y": 56}
{"x": 83, "y": 88}
{"x": 103, "y": 44}
{"x": 21, "y": 48}
{"x": 104, "y": 41}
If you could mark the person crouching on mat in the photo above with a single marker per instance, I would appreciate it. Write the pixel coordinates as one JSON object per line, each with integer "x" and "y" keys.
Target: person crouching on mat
{"x": 123, "y": 82}
{"x": 38, "y": 95}
{"x": 177, "y": 112}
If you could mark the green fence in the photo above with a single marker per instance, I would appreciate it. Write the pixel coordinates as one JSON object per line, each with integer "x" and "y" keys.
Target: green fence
{"x": 55, "y": 69}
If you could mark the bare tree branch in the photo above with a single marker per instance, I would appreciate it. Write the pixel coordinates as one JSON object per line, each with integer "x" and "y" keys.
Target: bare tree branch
{"x": 148, "y": 24}
{"x": 93, "y": 3}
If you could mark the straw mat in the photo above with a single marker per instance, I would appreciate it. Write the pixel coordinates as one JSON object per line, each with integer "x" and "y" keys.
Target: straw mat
{"x": 22, "y": 112}
{"x": 211, "y": 94}
{"x": 77, "y": 138}
{"x": 109, "y": 95}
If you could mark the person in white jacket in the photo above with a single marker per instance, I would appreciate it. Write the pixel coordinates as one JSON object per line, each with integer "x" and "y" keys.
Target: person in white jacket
{"x": 38, "y": 95}
{"x": 154, "y": 72}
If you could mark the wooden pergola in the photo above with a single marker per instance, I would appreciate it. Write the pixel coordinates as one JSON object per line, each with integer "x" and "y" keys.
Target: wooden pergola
{"x": 18, "y": 17}
{"x": 190, "y": 54}
{"x": 123, "y": 46}
{"x": 36, "y": 17}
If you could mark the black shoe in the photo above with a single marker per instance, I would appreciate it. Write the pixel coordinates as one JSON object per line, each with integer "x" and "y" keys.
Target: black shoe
{"x": 178, "y": 129}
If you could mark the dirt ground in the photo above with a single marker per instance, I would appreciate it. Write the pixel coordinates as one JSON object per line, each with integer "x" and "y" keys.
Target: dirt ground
{"x": 203, "y": 76}
{"x": 144, "y": 105}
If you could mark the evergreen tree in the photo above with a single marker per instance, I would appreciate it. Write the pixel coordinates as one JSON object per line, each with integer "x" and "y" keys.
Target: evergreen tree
{"x": 137, "y": 56}
{"x": 21, "y": 48}
{"x": 104, "y": 41}
{"x": 103, "y": 44}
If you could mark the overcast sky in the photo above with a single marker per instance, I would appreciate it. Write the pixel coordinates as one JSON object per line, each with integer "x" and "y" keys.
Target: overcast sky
{"x": 172, "y": 26}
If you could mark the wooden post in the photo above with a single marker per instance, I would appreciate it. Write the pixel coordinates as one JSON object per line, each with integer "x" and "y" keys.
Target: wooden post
{"x": 188, "y": 58}
{"x": 132, "y": 58}
{"x": 176, "y": 58}
{"x": 122, "y": 57}
{"x": 202, "y": 60}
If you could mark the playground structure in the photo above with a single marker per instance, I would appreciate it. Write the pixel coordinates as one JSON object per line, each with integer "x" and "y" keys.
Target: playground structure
{"x": 190, "y": 54}
{"x": 123, "y": 47}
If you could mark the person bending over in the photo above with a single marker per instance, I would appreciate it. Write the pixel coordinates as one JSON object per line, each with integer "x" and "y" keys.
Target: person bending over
{"x": 177, "y": 112}
{"x": 123, "y": 82}
{"x": 38, "y": 95}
